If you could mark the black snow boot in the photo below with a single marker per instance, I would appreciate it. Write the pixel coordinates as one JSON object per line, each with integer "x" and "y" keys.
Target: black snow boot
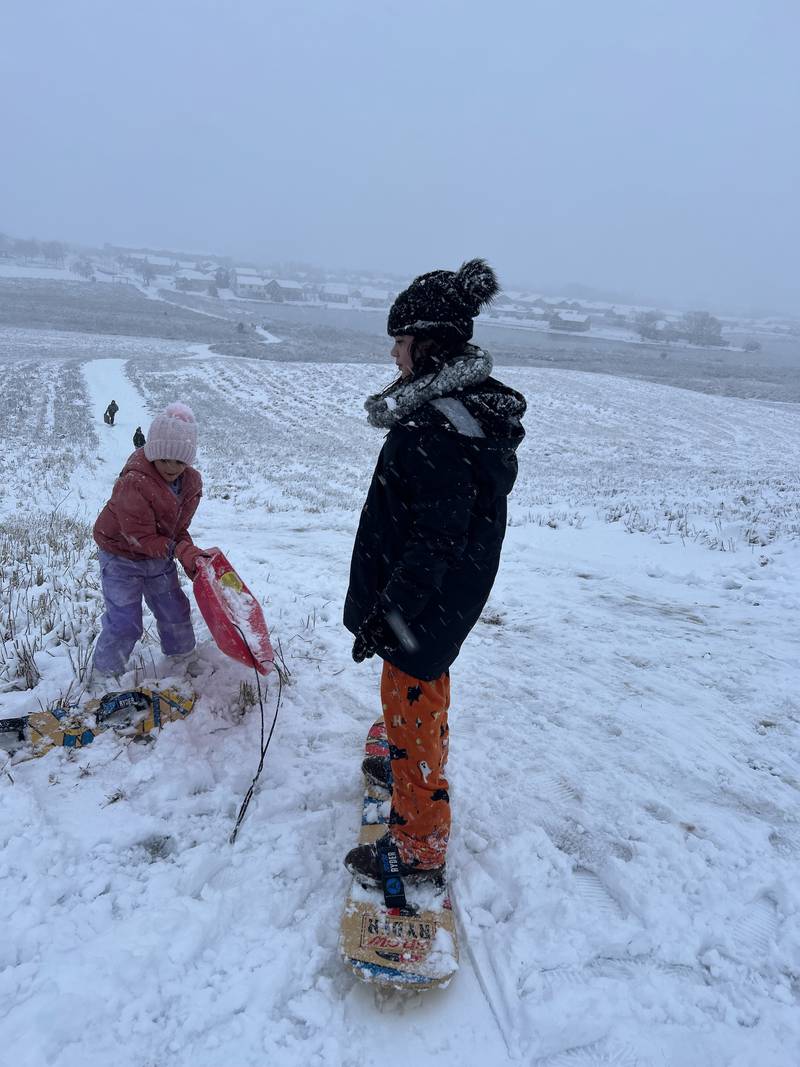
{"x": 378, "y": 771}
{"x": 363, "y": 862}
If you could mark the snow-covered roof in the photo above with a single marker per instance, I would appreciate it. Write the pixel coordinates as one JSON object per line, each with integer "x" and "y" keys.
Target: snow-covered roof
{"x": 336, "y": 289}
{"x": 371, "y": 293}
{"x": 285, "y": 283}
{"x": 571, "y": 316}
{"x": 195, "y": 275}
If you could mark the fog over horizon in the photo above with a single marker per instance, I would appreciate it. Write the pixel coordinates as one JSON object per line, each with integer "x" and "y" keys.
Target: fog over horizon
{"x": 643, "y": 149}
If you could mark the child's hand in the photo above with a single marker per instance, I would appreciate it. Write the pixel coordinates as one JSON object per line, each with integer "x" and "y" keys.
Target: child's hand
{"x": 190, "y": 554}
{"x": 208, "y": 552}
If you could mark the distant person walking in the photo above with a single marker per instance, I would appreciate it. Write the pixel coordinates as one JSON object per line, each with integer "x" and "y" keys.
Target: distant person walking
{"x": 110, "y": 412}
{"x": 138, "y": 438}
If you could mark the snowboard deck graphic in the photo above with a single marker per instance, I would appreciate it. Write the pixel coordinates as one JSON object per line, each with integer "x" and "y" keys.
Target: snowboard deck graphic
{"x": 409, "y": 948}
{"x": 134, "y": 712}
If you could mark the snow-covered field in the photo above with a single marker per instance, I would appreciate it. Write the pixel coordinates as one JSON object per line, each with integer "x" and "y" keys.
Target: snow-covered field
{"x": 624, "y": 739}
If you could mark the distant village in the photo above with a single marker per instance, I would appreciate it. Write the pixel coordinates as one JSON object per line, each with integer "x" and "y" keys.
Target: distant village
{"x": 251, "y": 284}
{"x": 218, "y": 277}
{"x": 514, "y": 308}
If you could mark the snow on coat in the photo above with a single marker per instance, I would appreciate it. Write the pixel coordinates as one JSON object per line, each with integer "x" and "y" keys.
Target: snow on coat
{"x": 429, "y": 539}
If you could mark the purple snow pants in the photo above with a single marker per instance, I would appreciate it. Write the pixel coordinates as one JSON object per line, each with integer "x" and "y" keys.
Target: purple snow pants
{"x": 125, "y": 582}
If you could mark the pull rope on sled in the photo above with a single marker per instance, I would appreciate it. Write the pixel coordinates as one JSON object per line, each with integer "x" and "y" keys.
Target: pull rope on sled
{"x": 263, "y": 746}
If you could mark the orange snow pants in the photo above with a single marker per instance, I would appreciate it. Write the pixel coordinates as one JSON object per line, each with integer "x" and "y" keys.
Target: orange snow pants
{"x": 415, "y": 713}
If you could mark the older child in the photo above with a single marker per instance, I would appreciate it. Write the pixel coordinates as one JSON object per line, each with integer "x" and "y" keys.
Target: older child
{"x": 140, "y": 532}
{"x": 428, "y": 546}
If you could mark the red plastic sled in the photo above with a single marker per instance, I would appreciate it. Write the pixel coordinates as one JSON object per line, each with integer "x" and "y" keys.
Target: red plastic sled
{"x": 229, "y": 607}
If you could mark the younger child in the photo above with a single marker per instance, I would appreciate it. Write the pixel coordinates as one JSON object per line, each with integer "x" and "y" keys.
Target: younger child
{"x": 140, "y": 532}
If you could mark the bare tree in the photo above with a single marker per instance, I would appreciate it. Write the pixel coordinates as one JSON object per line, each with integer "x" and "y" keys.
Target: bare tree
{"x": 82, "y": 267}
{"x": 53, "y": 251}
{"x": 701, "y": 328}
{"x": 27, "y": 249}
{"x": 646, "y": 324}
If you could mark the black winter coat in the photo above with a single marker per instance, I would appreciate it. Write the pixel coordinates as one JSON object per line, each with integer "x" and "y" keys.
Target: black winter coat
{"x": 428, "y": 543}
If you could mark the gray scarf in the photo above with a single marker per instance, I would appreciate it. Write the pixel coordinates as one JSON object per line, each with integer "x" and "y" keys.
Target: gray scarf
{"x": 386, "y": 409}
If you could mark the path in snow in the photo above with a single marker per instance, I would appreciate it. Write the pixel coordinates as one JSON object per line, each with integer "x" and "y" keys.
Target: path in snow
{"x": 106, "y": 381}
{"x": 267, "y": 338}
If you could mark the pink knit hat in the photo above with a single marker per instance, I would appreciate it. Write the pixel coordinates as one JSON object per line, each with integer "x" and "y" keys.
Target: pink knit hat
{"x": 173, "y": 435}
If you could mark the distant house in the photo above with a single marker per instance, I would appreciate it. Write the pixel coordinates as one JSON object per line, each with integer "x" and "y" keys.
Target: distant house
{"x": 281, "y": 289}
{"x": 570, "y": 320}
{"x": 163, "y": 266}
{"x": 505, "y": 310}
{"x": 374, "y": 298}
{"x": 238, "y": 274}
{"x": 528, "y": 313}
{"x": 252, "y": 286}
{"x": 194, "y": 281}
{"x": 335, "y": 293}
{"x": 109, "y": 274}
{"x": 528, "y": 306}
{"x": 160, "y": 266}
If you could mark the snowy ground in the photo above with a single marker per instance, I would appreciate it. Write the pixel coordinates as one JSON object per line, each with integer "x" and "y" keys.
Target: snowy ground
{"x": 624, "y": 765}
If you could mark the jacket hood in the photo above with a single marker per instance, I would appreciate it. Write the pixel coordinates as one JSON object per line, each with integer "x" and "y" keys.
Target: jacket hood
{"x": 496, "y": 408}
{"x": 394, "y": 404}
{"x": 461, "y": 397}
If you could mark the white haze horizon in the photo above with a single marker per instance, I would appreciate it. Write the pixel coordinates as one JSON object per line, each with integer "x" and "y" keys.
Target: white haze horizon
{"x": 606, "y": 292}
{"x": 640, "y": 150}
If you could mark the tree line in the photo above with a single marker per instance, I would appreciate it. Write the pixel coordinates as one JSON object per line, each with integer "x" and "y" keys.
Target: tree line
{"x": 697, "y": 327}
{"x": 29, "y": 248}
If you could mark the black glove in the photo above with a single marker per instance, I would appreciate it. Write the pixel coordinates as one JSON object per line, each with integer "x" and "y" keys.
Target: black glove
{"x": 373, "y": 636}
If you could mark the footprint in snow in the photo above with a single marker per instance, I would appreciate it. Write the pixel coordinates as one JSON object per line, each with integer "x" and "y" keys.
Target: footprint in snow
{"x": 594, "y": 894}
{"x": 158, "y": 846}
{"x": 554, "y": 787}
{"x": 754, "y": 933}
{"x": 572, "y": 839}
{"x": 786, "y": 843}
{"x": 660, "y": 812}
{"x": 603, "y": 1053}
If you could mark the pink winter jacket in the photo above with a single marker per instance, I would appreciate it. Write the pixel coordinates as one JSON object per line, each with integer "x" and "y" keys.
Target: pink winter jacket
{"x": 145, "y": 519}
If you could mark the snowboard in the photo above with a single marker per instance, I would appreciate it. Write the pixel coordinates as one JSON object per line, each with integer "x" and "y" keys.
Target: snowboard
{"x": 411, "y": 947}
{"x": 134, "y": 712}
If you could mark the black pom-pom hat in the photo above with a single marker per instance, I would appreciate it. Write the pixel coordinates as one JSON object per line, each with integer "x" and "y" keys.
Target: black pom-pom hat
{"x": 443, "y": 303}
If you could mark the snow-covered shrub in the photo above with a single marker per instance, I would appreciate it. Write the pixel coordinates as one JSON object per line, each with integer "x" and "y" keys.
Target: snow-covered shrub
{"x": 49, "y": 595}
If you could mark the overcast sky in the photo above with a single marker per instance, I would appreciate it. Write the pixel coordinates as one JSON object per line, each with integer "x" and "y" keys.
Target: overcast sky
{"x": 632, "y": 145}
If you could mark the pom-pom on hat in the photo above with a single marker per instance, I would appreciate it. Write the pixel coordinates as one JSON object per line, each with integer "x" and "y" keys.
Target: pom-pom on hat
{"x": 173, "y": 435}
{"x": 443, "y": 303}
